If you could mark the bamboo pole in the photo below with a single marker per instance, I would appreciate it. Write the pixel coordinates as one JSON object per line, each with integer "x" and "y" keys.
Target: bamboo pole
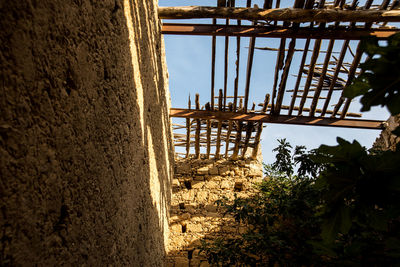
{"x": 279, "y": 14}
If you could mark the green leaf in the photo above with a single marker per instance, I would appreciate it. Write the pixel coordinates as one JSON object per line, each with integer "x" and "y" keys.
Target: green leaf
{"x": 340, "y": 222}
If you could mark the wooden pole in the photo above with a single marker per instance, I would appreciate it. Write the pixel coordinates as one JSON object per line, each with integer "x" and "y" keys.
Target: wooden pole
{"x": 198, "y": 128}
{"x": 317, "y": 92}
{"x": 188, "y": 132}
{"x": 259, "y": 130}
{"x": 279, "y": 14}
{"x": 218, "y": 145}
{"x": 208, "y": 133}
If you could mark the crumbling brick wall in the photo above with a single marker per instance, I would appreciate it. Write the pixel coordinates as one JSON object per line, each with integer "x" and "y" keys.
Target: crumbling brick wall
{"x": 85, "y": 147}
{"x": 197, "y": 184}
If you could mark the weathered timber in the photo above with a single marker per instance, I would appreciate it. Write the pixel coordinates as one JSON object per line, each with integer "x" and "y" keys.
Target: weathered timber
{"x": 314, "y": 57}
{"x": 208, "y": 107}
{"x": 282, "y": 119}
{"x": 259, "y": 130}
{"x": 188, "y": 132}
{"x": 218, "y": 145}
{"x": 321, "y": 79}
{"x": 279, "y": 14}
{"x": 274, "y": 31}
{"x": 285, "y": 73}
{"x": 198, "y": 129}
{"x": 213, "y": 44}
{"x": 248, "y": 70}
{"x": 278, "y": 67}
{"x": 296, "y": 88}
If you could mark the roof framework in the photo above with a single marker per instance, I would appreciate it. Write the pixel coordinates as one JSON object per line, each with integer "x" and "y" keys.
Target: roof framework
{"x": 235, "y": 127}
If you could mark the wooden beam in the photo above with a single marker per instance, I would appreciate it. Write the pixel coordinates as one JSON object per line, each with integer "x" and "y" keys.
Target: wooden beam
{"x": 281, "y": 119}
{"x": 279, "y": 14}
{"x": 274, "y": 31}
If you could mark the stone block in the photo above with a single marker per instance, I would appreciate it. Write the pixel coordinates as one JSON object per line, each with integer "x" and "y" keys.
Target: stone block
{"x": 197, "y": 184}
{"x": 199, "y": 178}
{"x": 183, "y": 168}
{"x": 224, "y": 170}
{"x": 202, "y": 170}
{"x": 194, "y": 228}
{"x": 211, "y": 185}
{"x": 212, "y": 208}
{"x": 225, "y": 184}
{"x": 202, "y": 196}
{"x": 213, "y": 170}
{"x": 188, "y": 195}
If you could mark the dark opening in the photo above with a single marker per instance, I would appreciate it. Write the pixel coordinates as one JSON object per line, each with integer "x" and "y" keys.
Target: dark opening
{"x": 182, "y": 206}
{"x": 238, "y": 186}
{"x": 184, "y": 228}
{"x": 188, "y": 184}
{"x": 190, "y": 254}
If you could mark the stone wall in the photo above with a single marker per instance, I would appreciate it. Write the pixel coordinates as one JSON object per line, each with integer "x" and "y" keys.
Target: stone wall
{"x": 85, "y": 142}
{"x": 197, "y": 184}
{"x": 386, "y": 139}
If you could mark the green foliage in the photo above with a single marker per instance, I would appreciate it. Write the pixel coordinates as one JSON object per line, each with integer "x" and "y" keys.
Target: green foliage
{"x": 361, "y": 202}
{"x": 341, "y": 207}
{"x": 379, "y": 83}
{"x": 280, "y": 218}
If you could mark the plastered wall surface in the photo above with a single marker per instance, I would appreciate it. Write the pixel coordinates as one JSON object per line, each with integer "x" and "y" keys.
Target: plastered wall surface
{"x": 197, "y": 184}
{"x": 85, "y": 142}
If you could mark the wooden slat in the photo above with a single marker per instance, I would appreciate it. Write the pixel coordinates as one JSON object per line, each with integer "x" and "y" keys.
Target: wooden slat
{"x": 317, "y": 46}
{"x": 279, "y": 14}
{"x": 350, "y": 77}
{"x": 281, "y": 119}
{"x": 198, "y": 129}
{"x": 296, "y": 88}
{"x": 285, "y": 74}
{"x": 228, "y": 134}
{"x": 238, "y": 137}
{"x": 213, "y": 44}
{"x": 226, "y": 66}
{"x": 259, "y": 130}
{"x": 335, "y": 76}
{"x": 249, "y": 130}
{"x": 274, "y": 31}
{"x": 218, "y": 145}
{"x": 278, "y": 67}
{"x": 248, "y": 70}
{"x": 188, "y": 132}
{"x": 317, "y": 92}
{"x": 208, "y": 107}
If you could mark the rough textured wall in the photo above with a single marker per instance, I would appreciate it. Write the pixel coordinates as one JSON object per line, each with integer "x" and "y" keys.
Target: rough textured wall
{"x": 386, "y": 139}
{"x": 84, "y": 133}
{"x": 197, "y": 185}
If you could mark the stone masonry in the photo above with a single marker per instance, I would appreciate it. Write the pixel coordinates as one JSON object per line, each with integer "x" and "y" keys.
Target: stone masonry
{"x": 197, "y": 184}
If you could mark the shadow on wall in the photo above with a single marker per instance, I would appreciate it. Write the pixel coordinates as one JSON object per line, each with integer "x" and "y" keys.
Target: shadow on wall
{"x": 85, "y": 141}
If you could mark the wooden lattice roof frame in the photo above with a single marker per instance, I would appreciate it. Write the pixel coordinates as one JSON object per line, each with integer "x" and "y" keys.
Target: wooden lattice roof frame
{"x": 229, "y": 121}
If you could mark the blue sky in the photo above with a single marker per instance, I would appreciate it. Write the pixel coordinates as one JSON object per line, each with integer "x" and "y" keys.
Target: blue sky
{"x": 189, "y": 67}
